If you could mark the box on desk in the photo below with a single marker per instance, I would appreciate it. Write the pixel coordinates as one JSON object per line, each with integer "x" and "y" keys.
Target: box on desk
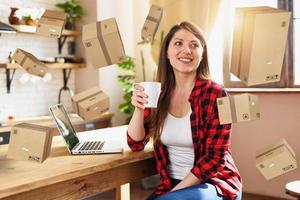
{"x": 29, "y": 142}
{"x": 51, "y": 23}
{"x": 103, "y": 43}
{"x": 276, "y": 159}
{"x": 259, "y": 42}
{"x": 30, "y": 63}
{"x": 90, "y": 104}
{"x": 152, "y": 22}
{"x": 238, "y": 108}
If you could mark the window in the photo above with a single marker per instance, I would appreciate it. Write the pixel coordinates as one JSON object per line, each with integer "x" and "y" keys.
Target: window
{"x": 291, "y": 66}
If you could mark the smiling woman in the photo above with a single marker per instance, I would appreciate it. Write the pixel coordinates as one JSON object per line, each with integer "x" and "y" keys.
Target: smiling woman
{"x": 192, "y": 149}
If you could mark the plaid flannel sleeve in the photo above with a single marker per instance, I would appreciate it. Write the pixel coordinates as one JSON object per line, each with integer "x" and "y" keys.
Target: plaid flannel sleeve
{"x": 217, "y": 141}
{"x": 138, "y": 145}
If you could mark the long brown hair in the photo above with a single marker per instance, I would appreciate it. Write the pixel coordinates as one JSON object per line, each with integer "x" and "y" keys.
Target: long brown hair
{"x": 165, "y": 74}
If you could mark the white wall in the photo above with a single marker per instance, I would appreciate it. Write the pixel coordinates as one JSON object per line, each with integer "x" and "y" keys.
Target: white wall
{"x": 88, "y": 77}
{"x": 280, "y": 114}
{"x": 123, "y": 12}
{"x": 30, "y": 99}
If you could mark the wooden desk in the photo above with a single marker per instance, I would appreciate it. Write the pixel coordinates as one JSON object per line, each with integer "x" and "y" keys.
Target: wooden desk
{"x": 63, "y": 176}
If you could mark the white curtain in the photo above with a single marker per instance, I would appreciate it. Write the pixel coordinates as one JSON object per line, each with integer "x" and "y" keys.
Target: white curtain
{"x": 200, "y": 12}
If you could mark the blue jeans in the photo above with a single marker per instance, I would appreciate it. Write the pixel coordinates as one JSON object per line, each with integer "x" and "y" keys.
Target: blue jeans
{"x": 203, "y": 191}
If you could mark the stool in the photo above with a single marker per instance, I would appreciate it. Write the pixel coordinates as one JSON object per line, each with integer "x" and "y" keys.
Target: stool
{"x": 293, "y": 189}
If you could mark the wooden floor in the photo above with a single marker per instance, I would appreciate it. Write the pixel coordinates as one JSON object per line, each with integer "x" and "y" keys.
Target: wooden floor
{"x": 138, "y": 193}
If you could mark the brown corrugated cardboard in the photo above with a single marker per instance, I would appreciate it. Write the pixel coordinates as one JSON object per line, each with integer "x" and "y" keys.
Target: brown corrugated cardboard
{"x": 238, "y": 108}
{"x": 51, "y": 23}
{"x": 90, "y": 104}
{"x": 30, "y": 63}
{"x": 152, "y": 22}
{"x": 276, "y": 159}
{"x": 103, "y": 43}
{"x": 259, "y": 42}
{"x": 29, "y": 142}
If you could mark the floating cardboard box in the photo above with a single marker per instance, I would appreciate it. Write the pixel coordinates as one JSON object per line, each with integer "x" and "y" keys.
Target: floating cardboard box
{"x": 103, "y": 43}
{"x": 90, "y": 104}
{"x": 29, "y": 142}
{"x": 51, "y": 23}
{"x": 238, "y": 108}
{"x": 259, "y": 43}
{"x": 276, "y": 159}
{"x": 30, "y": 63}
{"x": 152, "y": 22}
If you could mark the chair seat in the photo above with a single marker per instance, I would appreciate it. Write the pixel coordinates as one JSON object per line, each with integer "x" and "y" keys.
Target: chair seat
{"x": 293, "y": 188}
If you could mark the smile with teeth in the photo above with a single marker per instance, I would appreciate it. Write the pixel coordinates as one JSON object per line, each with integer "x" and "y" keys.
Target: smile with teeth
{"x": 185, "y": 59}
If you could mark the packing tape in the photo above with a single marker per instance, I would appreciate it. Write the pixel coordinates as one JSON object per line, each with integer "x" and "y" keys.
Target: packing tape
{"x": 152, "y": 19}
{"x": 232, "y": 108}
{"x": 103, "y": 46}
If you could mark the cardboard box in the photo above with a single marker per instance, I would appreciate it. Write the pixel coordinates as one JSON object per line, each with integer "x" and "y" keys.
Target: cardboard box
{"x": 30, "y": 142}
{"x": 238, "y": 108}
{"x": 90, "y": 104}
{"x": 51, "y": 23}
{"x": 103, "y": 43}
{"x": 30, "y": 63}
{"x": 152, "y": 22}
{"x": 276, "y": 159}
{"x": 259, "y": 43}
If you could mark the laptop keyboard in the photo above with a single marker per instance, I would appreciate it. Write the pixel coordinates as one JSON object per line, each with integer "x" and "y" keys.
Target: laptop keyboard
{"x": 92, "y": 146}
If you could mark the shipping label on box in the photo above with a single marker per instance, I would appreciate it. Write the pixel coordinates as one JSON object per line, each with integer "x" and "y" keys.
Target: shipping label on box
{"x": 259, "y": 42}
{"x": 51, "y": 23}
{"x": 90, "y": 104}
{"x": 103, "y": 43}
{"x": 276, "y": 159}
{"x": 30, "y": 63}
{"x": 238, "y": 108}
{"x": 152, "y": 22}
{"x": 30, "y": 142}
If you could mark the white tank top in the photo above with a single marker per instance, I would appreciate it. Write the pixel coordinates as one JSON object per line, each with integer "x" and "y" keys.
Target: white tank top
{"x": 177, "y": 136}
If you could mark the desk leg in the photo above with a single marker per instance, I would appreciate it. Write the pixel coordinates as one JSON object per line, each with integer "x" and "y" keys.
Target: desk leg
{"x": 122, "y": 192}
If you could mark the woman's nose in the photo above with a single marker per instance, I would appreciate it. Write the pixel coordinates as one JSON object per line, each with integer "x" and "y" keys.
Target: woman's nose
{"x": 187, "y": 49}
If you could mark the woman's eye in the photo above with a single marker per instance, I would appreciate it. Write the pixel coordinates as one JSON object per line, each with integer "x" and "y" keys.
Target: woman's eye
{"x": 178, "y": 43}
{"x": 195, "y": 45}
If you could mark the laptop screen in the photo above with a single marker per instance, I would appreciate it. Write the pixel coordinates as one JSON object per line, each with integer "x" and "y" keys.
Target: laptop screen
{"x": 64, "y": 125}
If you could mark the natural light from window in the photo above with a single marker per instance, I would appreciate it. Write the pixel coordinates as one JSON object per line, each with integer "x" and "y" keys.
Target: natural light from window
{"x": 249, "y": 3}
{"x": 297, "y": 42}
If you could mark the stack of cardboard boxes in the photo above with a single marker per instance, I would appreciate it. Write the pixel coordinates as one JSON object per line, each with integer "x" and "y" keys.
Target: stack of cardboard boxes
{"x": 238, "y": 108}
{"x": 51, "y": 23}
{"x": 90, "y": 104}
{"x": 30, "y": 142}
{"x": 276, "y": 159}
{"x": 259, "y": 42}
{"x": 152, "y": 22}
{"x": 30, "y": 63}
{"x": 103, "y": 43}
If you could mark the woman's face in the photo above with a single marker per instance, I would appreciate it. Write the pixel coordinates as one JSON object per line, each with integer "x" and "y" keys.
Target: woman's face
{"x": 185, "y": 52}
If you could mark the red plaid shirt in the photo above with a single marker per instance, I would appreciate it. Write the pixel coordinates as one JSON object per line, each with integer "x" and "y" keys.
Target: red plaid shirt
{"x": 213, "y": 162}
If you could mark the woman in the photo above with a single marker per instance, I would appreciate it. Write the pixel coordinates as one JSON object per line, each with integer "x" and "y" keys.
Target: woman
{"x": 191, "y": 148}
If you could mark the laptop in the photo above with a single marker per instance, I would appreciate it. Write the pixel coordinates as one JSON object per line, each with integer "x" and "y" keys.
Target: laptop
{"x": 74, "y": 145}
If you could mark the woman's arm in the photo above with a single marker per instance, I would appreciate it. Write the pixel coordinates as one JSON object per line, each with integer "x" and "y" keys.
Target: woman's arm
{"x": 136, "y": 131}
{"x": 136, "y": 128}
{"x": 217, "y": 140}
{"x": 189, "y": 180}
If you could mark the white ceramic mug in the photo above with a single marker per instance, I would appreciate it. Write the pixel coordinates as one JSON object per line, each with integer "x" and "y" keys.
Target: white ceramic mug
{"x": 152, "y": 90}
